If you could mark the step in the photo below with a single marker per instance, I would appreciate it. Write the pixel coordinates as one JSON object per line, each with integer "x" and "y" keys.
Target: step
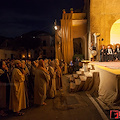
{"x": 81, "y": 83}
{"x": 95, "y": 83}
{"x": 71, "y": 79}
{"x": 81, "y": 69}
{"x": 83, "y": 78}
{"x": 77, "y": 82}
{"x": 80, "y": 72}
{"x": 88, "y": 83}
{"x": 72, "y": 87}
{"x": 92, "y": 71}
{"x": 75, "y": 75}
{"x": 88, "y": 74}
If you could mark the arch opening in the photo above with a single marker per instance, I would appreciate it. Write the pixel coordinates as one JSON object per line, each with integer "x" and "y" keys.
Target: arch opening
{"x": 115, "y": 33}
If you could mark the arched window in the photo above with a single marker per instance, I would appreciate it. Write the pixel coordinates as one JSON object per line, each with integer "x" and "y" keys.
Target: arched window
{"x": 115, "y": 32}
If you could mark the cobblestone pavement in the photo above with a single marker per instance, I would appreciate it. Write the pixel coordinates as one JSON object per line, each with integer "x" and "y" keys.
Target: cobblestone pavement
{"x": 65, "y": 106}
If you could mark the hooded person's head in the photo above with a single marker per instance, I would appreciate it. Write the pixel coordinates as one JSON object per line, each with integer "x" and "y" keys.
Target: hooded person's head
{"x": 46, "y": 63}
{"x": 52, "y": 64}
{"x": 41, "y": 63}
{"x": 17, "y": 63}
{"x": 56, "y": 62}
{"x": 2, "y": 64}
{"x": 49, "y": 61}
{"x": 23, "y": 63}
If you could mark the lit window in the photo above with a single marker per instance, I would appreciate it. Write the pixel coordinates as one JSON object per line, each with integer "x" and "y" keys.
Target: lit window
{"x": 23, "y": 56}
{"x": 29, "y": 55}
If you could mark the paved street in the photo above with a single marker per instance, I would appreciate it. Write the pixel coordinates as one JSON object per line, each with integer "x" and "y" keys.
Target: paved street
{"x": 66, "y": 106}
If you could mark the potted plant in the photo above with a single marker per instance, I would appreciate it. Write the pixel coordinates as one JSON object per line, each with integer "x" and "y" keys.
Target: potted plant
{"x": 71, "y": 10}
{"x": 64, "y": 11}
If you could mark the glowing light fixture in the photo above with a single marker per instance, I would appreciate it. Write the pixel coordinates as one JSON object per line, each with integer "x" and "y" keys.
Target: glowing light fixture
{"x": 29, "y": 55}
{"x": 33, "y": 36}
{"x": 23, "y": 56}
{"x": 55, "y": 25}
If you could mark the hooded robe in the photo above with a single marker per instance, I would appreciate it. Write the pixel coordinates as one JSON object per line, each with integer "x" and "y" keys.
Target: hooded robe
{"x": 17, "y": 92}
{"x": 40, "y": 83}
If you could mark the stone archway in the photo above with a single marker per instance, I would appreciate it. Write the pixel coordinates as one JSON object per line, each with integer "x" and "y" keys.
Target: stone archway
{"x": 115, "y": 32}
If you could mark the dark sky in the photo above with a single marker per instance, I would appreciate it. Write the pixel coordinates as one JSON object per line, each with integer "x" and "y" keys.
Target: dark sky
{"x": 21, "y": 16}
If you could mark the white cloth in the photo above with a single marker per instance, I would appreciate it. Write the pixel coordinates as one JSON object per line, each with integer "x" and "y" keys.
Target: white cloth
{"x": 109, "y": 51}
{"x": 118, "y": 50}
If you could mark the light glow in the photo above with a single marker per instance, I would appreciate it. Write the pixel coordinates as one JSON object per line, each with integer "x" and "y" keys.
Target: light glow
{"x": 115, "y": 33}
{"x": 23, "y": 56}
{"x": 29, "y": 55}
{"x": 55, "y": 27}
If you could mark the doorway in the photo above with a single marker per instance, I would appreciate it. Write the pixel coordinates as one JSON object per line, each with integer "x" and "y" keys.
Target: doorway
{"x": 78, "y": 45}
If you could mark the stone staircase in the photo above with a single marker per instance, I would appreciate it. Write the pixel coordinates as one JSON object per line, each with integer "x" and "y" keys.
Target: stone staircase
{"x": 85, "y": 81}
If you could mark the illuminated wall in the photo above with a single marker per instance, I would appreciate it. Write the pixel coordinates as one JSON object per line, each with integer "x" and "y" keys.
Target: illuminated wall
{"x": 115, "y": 33}
{"x": 103, "y": 13}
{"x": 73, "y": 25}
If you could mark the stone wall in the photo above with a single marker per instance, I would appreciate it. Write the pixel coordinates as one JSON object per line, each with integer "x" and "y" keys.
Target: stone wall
{"x": 5, "y": 54}
{"x": 103, "y": 13}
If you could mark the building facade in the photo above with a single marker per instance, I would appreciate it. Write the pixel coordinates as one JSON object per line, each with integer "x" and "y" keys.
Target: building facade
{"x": 99, "y": 24}
{"x": 104, "y": 21}
{"x": 47, "y": 45}
{"x": 71, "y": 36}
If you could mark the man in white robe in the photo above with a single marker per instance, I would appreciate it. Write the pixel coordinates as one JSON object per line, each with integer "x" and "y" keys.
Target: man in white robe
{"x": 17, "y": 92}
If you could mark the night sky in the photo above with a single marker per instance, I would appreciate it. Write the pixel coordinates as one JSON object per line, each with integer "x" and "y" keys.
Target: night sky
{"x": 22, "y": 16}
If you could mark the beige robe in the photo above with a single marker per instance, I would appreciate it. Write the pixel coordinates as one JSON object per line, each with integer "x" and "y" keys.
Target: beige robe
{"x": 58, "y": 77}
{"x": 40, "y": 83}
{"x": 52, "y": 83}
{"x": 2, "y": 92}
{"x": 17, "y": 92}
{"x": 65, "y": 69}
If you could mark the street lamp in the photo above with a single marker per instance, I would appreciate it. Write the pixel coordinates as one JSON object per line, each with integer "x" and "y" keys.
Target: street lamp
{"x": 55, "y": 25}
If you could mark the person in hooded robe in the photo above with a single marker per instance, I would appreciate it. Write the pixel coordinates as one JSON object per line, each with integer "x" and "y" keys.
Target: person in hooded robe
{"x": 52, "y": 82}
{"x": 31, "y": 80}
{"x": 58, "y": 75}
{"x": 46, "y": 63}
{"x": 27, "y": 73}
{"x": 65, "y": 71}
{"x": 4, "y": 88}
{"x": 42, "y": 78}
{"x": 17, "y": 91}
{"x": 49, "y": 61}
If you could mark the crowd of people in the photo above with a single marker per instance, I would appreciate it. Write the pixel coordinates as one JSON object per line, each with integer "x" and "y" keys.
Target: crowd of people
{"x": 109, "y": 54}
{"x": 23, "y": 80}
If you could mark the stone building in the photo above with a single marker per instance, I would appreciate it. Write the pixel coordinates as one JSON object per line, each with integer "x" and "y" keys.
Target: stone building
{"x": 99, "y": 23}
{"x": 6, "y": 48}
{"x": 47, "y": 43}
{"x": 38, "y": 44}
